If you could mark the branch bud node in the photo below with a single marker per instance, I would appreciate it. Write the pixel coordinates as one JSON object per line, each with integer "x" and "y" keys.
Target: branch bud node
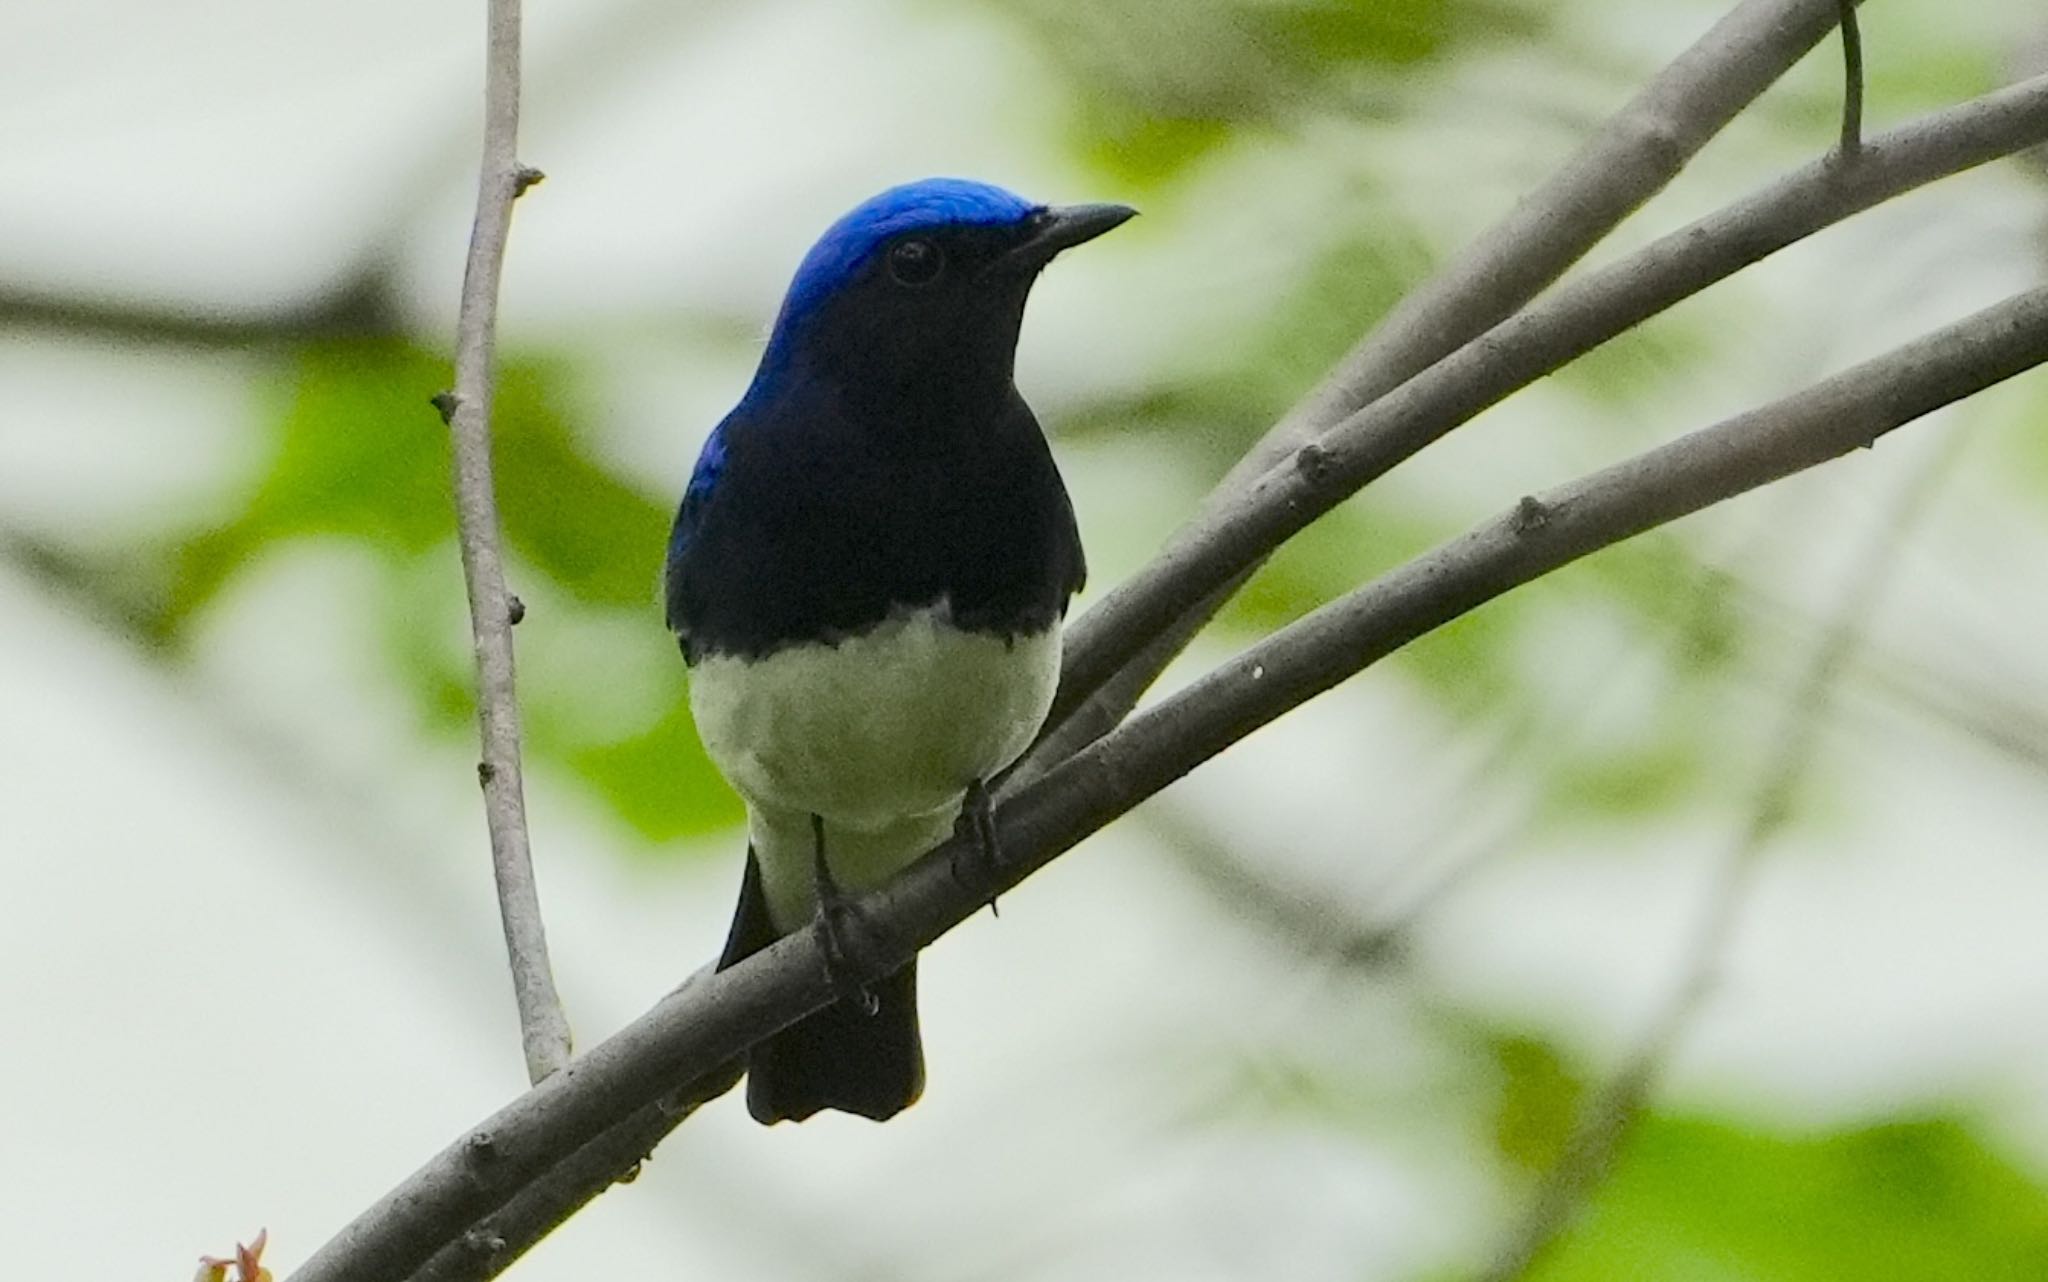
{"x": 1531, "y": 514}
{"x": 1312, "y": 460}
{"x": 482, "y": 1244}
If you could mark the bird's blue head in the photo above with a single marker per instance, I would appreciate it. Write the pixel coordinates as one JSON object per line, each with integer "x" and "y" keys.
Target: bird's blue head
{"x": 924, "y": 282}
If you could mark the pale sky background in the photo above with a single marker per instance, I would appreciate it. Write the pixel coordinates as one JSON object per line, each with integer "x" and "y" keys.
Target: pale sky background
{"x": 253, "y": 972}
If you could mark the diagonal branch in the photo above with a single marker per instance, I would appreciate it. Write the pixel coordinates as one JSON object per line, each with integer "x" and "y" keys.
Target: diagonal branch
{"x": 1631, "y": 158}
{"x": 1246, "y": 524}
{"x": 701, "y": 1027}
{"x": 489, "y": 1246}
{"x": 614, "y": 1157}
{"x": 492, "y": 609}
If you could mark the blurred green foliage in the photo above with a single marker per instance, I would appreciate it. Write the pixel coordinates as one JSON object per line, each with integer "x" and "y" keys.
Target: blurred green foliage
{"x": 1154, "y": 95}
{"x": 355, "y": 456}
{"x": 1155, "y": 89}
{"x": 1916, "y": 1200}
{"x": 1907, "y": 1201}
{"x": 357, "y": 453}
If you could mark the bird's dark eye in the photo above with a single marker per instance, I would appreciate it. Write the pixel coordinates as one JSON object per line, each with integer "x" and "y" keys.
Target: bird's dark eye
{"x": 916, "y": 262}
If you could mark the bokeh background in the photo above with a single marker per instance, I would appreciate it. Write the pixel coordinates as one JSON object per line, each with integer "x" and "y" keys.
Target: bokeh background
{"x": 1325, "y": 1010}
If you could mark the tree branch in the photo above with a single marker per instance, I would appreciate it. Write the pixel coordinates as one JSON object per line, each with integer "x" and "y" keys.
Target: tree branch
{"x": 492, "y": 609}
{"x": 359, "y": 304}
{"x": 1632, "y": 157}
{"x": 698, "y": 1029}
{"x": 490, "y": 1246}
{"x": 1245, "y": 524}
{"x": 500, "y": 1238}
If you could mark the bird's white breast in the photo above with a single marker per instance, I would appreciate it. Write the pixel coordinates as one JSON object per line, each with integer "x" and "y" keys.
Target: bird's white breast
{"x": 881, "y": 734}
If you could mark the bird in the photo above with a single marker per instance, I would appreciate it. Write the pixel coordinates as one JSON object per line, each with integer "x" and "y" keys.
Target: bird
{"x": 866, "y": 576}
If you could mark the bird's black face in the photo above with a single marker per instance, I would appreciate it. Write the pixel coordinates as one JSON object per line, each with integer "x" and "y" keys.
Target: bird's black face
{"x": 930, "y": 321}
{"x": 932, "y": 307}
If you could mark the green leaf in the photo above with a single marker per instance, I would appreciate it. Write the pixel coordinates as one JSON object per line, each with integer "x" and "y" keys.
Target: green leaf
{"x": 1631, "y": 780}
{"x": 1157, "y": 88}
{"x": 1341, "y": 32}
{"x": 1632, "y": 374}
{"x": 1908, "y": 1201}
{"x": 1911, "y": 1200}
{"x": 659, "y": 781}
{"x": 1323, "y": 562}
{"x": 359, "y": 452}
{"x": 1540, "y": 1098}
{"x": 1143, "y": 151}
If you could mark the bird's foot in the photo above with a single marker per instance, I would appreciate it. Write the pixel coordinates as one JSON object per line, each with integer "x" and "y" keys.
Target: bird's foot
{"x": 838, "y": 923}
{"x": 983, "y": 860}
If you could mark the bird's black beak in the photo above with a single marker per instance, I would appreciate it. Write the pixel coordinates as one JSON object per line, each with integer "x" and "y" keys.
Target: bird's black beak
{"x": 1063, "y": 227}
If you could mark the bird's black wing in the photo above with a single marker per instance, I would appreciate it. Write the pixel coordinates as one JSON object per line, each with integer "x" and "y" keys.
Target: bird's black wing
{"x": 697, "y": 496}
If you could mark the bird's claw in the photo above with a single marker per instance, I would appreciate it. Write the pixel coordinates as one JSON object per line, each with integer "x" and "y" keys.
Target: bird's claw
{"x": 837, "y": 922}
{"x": 977, "y": 821}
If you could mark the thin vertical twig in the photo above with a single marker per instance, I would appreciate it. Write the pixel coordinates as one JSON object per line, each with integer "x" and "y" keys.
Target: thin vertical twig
{"x": 1604, "y": 1124}
{"x": 493, "y": 610}
{"x": 1852, "y": 83}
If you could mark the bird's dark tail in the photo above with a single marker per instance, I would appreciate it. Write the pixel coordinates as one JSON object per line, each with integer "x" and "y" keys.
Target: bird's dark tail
{"x": 839, "y": 1057}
